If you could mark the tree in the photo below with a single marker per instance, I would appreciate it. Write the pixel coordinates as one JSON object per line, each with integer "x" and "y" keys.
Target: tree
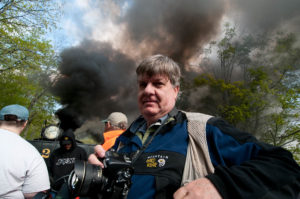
{"x": 27, "y": 58}
{"x": 283, "y": 127}
{"x": 255, "y": 86}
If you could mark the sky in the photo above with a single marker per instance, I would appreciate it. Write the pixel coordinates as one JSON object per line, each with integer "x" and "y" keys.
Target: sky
{"x": 102, "y": 41}
{"x": 106, "y": 20}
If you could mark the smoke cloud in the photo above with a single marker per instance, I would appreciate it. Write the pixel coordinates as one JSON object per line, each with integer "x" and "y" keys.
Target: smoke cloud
{"x": 95, "y": 80}
{"x": 264, "y": 16}
{"x": 98, "y": 75}
{"x": 174, "y": 28}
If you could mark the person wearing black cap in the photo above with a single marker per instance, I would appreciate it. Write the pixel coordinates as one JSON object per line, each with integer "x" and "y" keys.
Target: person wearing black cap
{"x": 62, "y": 159}
{"x": 23, "y": 171}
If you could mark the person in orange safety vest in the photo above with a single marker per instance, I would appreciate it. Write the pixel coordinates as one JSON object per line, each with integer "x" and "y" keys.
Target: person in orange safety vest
{"x": 115, "y": 125}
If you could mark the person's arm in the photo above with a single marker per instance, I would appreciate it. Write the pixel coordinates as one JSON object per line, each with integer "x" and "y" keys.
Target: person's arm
{"x": 30, "y": 195}
{"x": 244, "y": 168}
{"x": 247, "y": 168}
{"x": 37, "y": 195}
{"x": 37, "y": 177}
{"x": 264, "y": 176}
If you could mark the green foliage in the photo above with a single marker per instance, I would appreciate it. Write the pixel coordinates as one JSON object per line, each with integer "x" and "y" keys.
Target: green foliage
{"x": 256, "y": 86}
{"x": 26, "y": 59}
{"x": 243, "y": 100}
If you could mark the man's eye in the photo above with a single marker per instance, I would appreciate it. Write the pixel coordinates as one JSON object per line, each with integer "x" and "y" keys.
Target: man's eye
{"x": 158, "y": 84}
{"x": 142, "y": 85}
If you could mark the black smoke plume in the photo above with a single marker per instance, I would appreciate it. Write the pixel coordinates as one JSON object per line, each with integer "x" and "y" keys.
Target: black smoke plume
{"x": 174, "y": 28}
{"x": 97, "y": 78}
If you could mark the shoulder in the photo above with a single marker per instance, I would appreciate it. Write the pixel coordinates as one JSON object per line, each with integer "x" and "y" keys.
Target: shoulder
{"x": 230, "y": 130}
{"x": 26, "y": 147}
{"x": 197, "y": 117}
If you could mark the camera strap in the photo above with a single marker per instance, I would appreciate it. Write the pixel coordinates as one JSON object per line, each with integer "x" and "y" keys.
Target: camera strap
{"x": 138, "y": 153}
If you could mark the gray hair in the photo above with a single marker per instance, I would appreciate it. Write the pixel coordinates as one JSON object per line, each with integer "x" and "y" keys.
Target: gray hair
{"x": 160, "y": 64}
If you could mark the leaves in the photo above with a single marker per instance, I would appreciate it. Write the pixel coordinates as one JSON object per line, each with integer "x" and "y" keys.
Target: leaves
{"x": 27, "y": 60}
{"x": 255, "y": 86}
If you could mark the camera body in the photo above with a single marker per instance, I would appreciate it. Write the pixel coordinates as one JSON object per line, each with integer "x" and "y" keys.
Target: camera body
{"x": 113, "y": 181}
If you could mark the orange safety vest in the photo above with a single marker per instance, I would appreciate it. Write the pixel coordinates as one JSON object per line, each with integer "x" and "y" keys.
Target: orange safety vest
{"x": 110, "y": 138}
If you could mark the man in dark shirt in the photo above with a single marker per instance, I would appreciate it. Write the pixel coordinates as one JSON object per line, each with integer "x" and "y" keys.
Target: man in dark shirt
{"x": 62, "y": 159}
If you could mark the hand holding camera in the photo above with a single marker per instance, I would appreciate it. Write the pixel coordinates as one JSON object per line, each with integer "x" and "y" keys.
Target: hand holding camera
{"x": 109, "y": 179}
{"x": 97, "y": 156}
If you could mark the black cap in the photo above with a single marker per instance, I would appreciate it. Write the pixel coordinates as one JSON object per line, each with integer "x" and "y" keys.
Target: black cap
{"x": 66, "y": 140}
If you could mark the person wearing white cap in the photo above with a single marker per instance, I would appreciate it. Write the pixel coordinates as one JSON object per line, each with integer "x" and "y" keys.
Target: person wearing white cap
{"x": 115, "y": 125}
{"x": 23, "y": 171}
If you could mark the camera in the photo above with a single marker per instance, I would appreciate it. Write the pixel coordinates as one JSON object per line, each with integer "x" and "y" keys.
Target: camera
{"x": 112, "y": 181}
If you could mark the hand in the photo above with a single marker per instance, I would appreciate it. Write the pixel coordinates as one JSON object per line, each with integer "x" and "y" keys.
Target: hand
{"x": 201, "y": 188}
{"x": 99, "y": 153}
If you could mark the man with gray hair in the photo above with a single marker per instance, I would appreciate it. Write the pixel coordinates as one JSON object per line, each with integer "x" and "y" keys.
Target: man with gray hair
{"x": 115, "y": 125}
{"x": 186, "y": 155}
{"x": 23, "y": 172}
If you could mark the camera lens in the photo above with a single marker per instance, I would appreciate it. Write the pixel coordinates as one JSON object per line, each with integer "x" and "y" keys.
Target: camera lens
{"x": 85, "y": 178}
{"x": 112, "y": 182}
{"x": 73, "y": 180}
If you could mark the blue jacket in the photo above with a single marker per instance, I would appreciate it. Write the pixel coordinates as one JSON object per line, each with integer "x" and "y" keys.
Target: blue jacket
{"x": 244, "y": 167}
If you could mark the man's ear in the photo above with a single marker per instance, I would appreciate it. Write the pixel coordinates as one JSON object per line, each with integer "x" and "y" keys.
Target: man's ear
{"x": 177, "y": 89}
{"x": 25, "y": 123}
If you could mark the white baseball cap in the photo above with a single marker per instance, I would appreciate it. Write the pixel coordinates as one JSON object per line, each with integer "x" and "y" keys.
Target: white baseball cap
{"x": 115, "y": 118}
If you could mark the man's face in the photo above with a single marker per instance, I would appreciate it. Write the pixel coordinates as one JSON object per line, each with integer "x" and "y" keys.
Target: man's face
{"x": 107, "y": 126}
{"x": 156, "y": 96}
{"x": 67, "y": 146}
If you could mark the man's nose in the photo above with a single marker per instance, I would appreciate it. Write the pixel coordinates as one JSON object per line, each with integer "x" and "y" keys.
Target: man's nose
{"x": 149, "y": 88}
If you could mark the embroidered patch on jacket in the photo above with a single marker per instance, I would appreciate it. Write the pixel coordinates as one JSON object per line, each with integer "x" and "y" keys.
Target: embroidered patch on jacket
{"x": 155, "y": 161}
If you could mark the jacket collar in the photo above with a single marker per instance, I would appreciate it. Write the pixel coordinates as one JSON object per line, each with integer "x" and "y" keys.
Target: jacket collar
{"x": 140, "y": 121}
